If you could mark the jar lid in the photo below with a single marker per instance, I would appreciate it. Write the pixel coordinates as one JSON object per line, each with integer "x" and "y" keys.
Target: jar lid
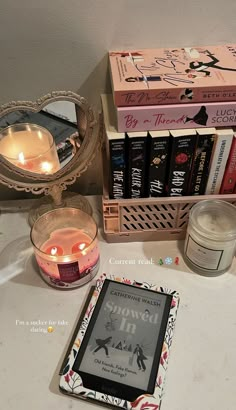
{"x": 214, "y": 219}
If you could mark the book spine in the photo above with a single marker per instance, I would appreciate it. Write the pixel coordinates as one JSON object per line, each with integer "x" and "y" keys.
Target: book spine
{"x": 117, "y": 151}
{"x": 201, "y": 164}
{"x": 137, "y": 148}
{"x": 229, "y": 178}
{"x": 175, "y": 116}
{"x": 217, "y": 168}
{"x": 158, "y": 159}
{"x": 196, "y": 94}
{"x": 181, "y": 157}
{"x": 64, "y": 150}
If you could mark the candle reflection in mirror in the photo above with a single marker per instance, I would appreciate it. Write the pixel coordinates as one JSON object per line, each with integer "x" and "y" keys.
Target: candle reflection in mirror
{"x": 30, "y": 147}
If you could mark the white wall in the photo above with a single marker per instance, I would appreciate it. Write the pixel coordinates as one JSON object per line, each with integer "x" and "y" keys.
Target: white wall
{"x": 50, "y": 45}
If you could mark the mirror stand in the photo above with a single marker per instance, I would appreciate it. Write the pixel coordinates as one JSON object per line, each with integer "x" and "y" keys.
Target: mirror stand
{"x": 58, "y": 200}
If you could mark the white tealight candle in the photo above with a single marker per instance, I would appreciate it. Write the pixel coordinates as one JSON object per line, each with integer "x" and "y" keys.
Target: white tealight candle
{"x": 210, "y": 242}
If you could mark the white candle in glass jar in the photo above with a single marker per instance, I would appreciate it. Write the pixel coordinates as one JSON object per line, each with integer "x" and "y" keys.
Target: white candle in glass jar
{"x": 210, "y": 242}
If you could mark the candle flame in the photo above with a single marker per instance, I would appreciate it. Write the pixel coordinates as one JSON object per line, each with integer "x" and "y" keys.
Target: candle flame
{"x": 21, "y": 158}
{"x": 46, "y": 167}
{"x": 54, "y": 251}
{"x": 82, "y": 246}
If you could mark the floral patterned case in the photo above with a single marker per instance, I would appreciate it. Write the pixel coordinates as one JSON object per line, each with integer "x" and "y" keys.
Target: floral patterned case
{"x": 121, "y": 328}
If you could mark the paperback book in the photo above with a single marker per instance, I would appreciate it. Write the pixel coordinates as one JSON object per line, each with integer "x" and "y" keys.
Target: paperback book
{"x": 159, "y": 142}
{"x": 116, "y": 152}
{"x": 201, "y": 161}
{"x": 136, "y": 164}
{"x": 183, "y": 143}
{"x": 220, "y": 155}
{"x": 173, "y": 75}
{"x": 120, "y": 352}
{"x": 175, "y": 116}
{"x": 229, "y": 178}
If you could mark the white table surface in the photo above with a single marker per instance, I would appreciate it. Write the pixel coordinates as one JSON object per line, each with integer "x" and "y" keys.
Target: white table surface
{"x": 201, "y": 373}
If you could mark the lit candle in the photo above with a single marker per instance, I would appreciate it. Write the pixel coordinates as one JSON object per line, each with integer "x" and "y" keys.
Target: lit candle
{"x": 46, "y": 167}
{"x": 30, "y": 147}
{"x": 69, "y": 256}
{"x": 210, "y": 242}
{"x": 23, "y": 163}
{"x": 54, "y": 250}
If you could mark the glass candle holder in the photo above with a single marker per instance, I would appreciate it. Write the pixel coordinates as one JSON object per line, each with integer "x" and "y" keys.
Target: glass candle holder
{"x": 66, "y": 247}
{"x": 210, "y": 242}
{"x": 30, "y": 147}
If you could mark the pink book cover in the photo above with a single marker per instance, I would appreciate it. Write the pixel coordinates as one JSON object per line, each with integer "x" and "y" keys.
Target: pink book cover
{"x": 175, "y": 116}
{"x": 173, "y": 75}
{"x": 229, "y": 179}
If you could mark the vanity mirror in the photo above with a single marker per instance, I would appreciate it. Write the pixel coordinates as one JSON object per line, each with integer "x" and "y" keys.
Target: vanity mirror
{"x": 46, "y": 145}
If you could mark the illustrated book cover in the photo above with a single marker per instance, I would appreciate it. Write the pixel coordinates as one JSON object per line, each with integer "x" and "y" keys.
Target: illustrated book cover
{"x": 183, "y": 143}
{"x": 221, "y": 150}
{"x": 173, "y": 75}
{"x": 159, "y": 142}
{"x": 175, "y": 116}
{"x": 120, "y": 354}
{"x": 136, "y": 164}
{"x": 116, "y": 151}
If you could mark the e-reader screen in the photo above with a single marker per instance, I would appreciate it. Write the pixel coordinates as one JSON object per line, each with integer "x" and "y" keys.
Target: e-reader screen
{"x": 123, "y": 341}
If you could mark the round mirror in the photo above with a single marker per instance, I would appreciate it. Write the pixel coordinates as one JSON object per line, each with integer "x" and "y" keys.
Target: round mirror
{"x": 45, "y": 145}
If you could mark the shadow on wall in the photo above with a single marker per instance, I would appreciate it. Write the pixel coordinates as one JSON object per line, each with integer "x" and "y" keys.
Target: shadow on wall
{"x": 90, "y": 182}
{"x": 97, "y": 82}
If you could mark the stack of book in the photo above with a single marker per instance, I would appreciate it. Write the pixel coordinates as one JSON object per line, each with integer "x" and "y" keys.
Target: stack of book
{"x": 169, "y": 122}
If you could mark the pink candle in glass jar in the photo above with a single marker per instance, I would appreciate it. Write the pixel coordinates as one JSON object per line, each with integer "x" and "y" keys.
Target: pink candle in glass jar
{"x": 66, "y": 247}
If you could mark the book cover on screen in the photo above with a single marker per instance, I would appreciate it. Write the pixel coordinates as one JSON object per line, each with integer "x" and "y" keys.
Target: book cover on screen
{"x": 221, "y": 150}
{"x": 158, "y": 155}
{"x": 183, "y": 143}
{"x": 229, "y": 178}
{"x": 175, "y": 116}
{"x": 201, "y": 160}
{"x": 136, "y": 164}
{"x": 116, "y": 151}
{"x": 173, "y": 75}
{"x": 120, "y": 353}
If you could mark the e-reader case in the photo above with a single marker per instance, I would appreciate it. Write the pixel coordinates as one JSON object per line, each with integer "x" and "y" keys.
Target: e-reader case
{"x": 119, "y": 351}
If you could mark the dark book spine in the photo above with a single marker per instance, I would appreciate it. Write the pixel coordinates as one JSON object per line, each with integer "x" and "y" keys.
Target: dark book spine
{"x": 158, "y": 157}
{"x": 201, "y": 164}
{"x": 118, "y": 168}
{"x": 64, "y": 150}
{"x": 181, "y": 158}
{"x": 137, "y": 148}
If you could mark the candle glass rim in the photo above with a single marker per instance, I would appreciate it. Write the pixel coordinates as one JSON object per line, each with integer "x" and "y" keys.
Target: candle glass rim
{"x": 52, "y": 142}
{"x": 61, "y": 258}
{"x": 225, "y": 236}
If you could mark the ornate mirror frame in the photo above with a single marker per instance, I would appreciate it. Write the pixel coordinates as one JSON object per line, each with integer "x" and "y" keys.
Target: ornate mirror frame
{"x": 90, "y": 131}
